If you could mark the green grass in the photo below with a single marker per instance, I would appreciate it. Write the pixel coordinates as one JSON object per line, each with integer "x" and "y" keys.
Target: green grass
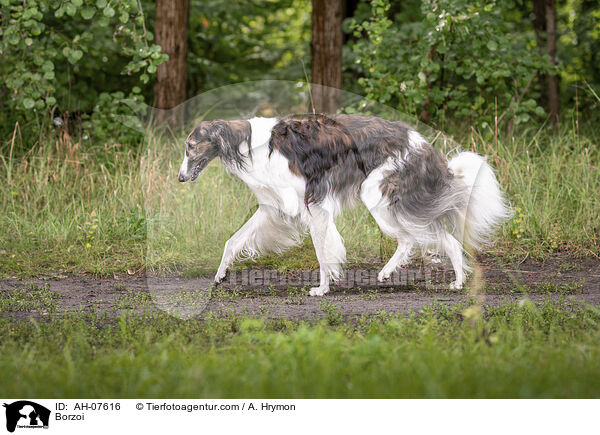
{"x": 130, "y": 299}
{"x": 105, "y": 209}
{"x": 547, "y": 288}
{"x": 51, "y": 200}
{"x": 514, "y": 350}
{"x": 29, "y": 298}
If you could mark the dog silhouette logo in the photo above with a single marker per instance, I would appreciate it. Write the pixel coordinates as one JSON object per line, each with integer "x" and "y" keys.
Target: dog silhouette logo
{"x": 26, "y": 414}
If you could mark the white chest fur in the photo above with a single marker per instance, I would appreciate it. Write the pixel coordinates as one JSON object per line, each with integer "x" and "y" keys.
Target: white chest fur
{"x": 274, "y": 185}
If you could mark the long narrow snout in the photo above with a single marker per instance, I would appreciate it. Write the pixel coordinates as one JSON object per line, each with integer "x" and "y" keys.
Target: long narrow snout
{"x": 183, "y": 171}
{"x": 200, "y": 148}
{"x": 191, "y": 168}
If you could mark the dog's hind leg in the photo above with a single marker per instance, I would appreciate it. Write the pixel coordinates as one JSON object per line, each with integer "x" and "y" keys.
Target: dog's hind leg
{"x": 405, "y": 244}
{"x": 240, "y": 241}
{"x": 454, "y": 251}
{"x": 400, "y": 258}
{"x": 378, "y": 206}
{"x": 329, "y": 247}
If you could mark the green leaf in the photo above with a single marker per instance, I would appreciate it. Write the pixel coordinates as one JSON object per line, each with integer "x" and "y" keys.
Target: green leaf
{"x": 88, "y": 12}
{"x": 76, "y": 55}
{"x": 28, "y": 103}
{"x": 100, "y": 4}
{"x": 492, "y": 45}
{"x": 47, "y": 66}
{"x": 523, "y": 118}
{"x": 102, "y": 21}
{"x": 37, "y": 29}
{"x": 108, "y": 12}
{"x": 13, "y": 39}
{"x": 71, "y": 9}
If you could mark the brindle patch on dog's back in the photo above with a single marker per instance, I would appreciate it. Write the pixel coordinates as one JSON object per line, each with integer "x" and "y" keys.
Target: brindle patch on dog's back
{"x": 316, "y": 139}
{"x": 313, "y": 145}
{"x": 335, "y": 153}
{"x": 376, "y": 138}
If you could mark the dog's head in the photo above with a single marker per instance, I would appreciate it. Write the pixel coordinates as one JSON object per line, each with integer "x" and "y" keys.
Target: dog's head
{"x": 209, "y": 140}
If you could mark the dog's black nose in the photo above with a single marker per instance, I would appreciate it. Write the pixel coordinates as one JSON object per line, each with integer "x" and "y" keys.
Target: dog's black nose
{"x": 181, "y": 178}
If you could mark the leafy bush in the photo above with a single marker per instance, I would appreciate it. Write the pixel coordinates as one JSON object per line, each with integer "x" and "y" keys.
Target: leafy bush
{"x": 579, "y": 52}
{"x": 62, "y": 58}
{"x": 452, "y": 57}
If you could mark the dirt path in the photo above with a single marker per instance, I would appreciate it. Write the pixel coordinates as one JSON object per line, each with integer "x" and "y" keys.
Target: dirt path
{"x": 284, "y": 295}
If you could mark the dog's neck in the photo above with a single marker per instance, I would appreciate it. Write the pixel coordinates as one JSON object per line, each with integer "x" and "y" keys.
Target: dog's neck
{"x": 261, "y": 133}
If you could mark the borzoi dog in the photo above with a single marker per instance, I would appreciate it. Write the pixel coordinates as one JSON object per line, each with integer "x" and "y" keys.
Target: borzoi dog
{"x": 305, "y": 169}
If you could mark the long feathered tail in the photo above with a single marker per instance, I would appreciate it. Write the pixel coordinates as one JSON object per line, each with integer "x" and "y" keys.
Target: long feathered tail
{"x": 486, "y": 208}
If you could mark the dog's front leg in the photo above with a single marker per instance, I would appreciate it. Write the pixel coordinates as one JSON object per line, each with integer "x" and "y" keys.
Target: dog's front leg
{"x": 238, "y": 242}
{"x": 329, "y": 247}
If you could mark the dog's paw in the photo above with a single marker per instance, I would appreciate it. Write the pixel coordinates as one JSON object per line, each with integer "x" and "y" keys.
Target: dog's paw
{"x": 220, "y": 276}
{"x": 456, "y": 285}
{"x": 319, "y": 291}
{"x": 384, "y": 274}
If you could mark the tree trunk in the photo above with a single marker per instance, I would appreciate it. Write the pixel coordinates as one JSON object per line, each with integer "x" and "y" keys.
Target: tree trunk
{"x": 545, "y": 30}
{"x": 326, "y": 54}
{"x": 425, "y": 115}
{"x": 171, "y": 30}
{"x": 552, "y": 79}
{"x": 539, "y": 10}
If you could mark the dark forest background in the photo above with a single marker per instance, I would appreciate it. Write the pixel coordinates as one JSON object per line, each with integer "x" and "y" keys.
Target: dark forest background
{"x": 77, "y": 64}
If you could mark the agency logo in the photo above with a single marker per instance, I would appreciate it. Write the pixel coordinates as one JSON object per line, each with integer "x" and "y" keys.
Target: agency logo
{"x": 26, "y": 414}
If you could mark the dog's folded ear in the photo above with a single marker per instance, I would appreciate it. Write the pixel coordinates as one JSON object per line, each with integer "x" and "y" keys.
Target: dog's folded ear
{"x": 228, "y": 136}
{"x": 230, "y": 133}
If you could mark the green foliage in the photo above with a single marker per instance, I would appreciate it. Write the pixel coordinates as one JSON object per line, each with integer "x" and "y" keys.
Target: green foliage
{"x": 82, "y": 57}
{"x": 513, "y": 350}
{"x": 241, "y": 40}
{"x": 91, "y": 61}
{"x": 30, "y": 298}
{"x": 112, "y": 117}
{"x": 579, "y": 53}
{"x": 452, "y": 58}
